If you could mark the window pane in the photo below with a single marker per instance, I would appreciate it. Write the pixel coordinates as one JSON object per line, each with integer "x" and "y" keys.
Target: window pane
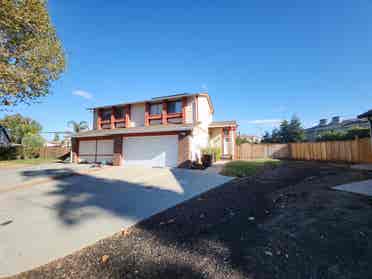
{"x": 174, "y": 107}
{"x": 119, "y": 113}
{"x": 156, "y": 109}
{"x": 106, "y": 115}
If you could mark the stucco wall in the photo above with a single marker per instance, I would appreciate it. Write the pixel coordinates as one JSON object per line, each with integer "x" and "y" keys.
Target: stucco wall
{"x": 200, "y": 135}
{"x": 189, "y": 118}
{"x": 215, "y": 138}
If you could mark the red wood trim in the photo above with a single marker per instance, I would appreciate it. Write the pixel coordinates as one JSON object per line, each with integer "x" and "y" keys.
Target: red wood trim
{"x": 127, "y": 116}
{"x": 222, "y": 141}
{"x": 133, "y": 135}
{"x": 164, "y": 120}
{"x": 175, "y": 115}
{"x": 147, "y": 114}
{"x": 113, "y": 118}
{"x": 87, "y": 154}
{"x": 184, "y": 104}
{"x": 99, "y": 119}
{"x": 155, "y": 117}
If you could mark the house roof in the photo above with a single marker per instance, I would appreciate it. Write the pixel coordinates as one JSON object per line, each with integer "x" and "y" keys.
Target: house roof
{"x": 162, "y": 98}
{"x": 5, "y": 131}
{"x": 366, "y": 114}
{"x": 344, "y": 123}
{"x": 136, "y": 130}
{"x": 221, "y": 124}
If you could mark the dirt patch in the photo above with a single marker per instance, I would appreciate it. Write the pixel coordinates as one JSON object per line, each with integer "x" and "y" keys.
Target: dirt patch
{"x": 283, "y": 223}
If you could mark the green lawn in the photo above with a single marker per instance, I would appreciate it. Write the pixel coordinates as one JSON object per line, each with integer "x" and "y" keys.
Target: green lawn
{"x": 247, "y": 168}
{"x": 25, "y": 162}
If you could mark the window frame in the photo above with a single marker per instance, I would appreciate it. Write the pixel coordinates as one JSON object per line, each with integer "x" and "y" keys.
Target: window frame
{"x": 175, "y": 106}
{"x": 160, "y": 105}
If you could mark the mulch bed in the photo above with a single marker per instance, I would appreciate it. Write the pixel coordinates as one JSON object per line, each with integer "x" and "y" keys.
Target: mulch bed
{"x": 282, "y": 223}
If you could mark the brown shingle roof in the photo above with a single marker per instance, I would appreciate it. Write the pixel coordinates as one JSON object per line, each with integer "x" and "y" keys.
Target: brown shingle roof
{"x": 218, "y": 124}
{"x": 366, "y": 114}
{"x": 135, "y": 130}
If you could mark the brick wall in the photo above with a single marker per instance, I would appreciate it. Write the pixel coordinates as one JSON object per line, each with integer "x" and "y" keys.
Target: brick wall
{"x": 118, "y": 150}
{"x": 75, "y": 150}
{"x": 184, "y": 152}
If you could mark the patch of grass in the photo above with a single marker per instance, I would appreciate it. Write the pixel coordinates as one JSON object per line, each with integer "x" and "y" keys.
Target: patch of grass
{"x": 247, "y": 168}
{"x": 26, "y": 162}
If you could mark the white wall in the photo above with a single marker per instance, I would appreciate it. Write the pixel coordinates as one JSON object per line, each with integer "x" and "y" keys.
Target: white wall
{"x": 189, "y": 110}
{"x": 200, "y": 135}
{"x": 137, "y": 116}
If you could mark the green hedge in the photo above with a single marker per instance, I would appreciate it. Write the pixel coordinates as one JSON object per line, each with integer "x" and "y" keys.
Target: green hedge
{"x": 214, "y": 151}
{"x": 10, "y": 152}
{"x": 348, "y": 135}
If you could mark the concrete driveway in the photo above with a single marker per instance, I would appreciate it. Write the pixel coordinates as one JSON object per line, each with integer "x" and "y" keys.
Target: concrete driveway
{"x": 49, "y": 220}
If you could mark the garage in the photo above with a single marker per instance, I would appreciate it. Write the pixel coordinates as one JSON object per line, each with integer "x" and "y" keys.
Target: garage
{"x": 152, "y": 151}
{"x": 96, "y": 150}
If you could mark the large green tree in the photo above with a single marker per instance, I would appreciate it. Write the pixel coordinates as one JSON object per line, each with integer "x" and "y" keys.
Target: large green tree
{"x": 20, "y": 127}
{"x": 289, "y": 131}
{"x": 31, "y": 55}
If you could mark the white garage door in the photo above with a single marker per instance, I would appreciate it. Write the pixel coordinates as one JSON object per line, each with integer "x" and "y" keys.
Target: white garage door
{"x": 154, "y": 151}
{"x": 96, "y": 150}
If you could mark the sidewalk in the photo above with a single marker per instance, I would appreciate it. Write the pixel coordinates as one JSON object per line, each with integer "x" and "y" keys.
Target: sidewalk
{"x": 361, "y": 187}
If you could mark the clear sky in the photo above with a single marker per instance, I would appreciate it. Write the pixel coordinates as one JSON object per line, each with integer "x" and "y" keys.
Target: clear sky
{"x": 261, "y": 61}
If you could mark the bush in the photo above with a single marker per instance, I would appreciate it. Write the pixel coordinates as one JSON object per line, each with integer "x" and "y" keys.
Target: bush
{"x": 10, "y": 152}
{"x": 348, "y": 135}
{"x": 215, "y": 152}
{"x": 358, "y": 132}
{"x": 31, "y": 146}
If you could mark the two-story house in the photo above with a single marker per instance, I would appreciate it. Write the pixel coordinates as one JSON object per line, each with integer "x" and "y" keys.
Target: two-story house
{"x": 166, "y": 131}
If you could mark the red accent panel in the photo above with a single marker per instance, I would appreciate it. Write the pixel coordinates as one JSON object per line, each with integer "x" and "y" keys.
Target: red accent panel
{"x": 99, "y": 119}
{"x": 222, "y": 141}
{"x": 112, "y": 117}
{"x": 133, "y": 135}
{"x": 164, "y": 120}
{"x": 127, "y": 116}
{"x": 147, "y": 114}
{"x": 184, "y": 104}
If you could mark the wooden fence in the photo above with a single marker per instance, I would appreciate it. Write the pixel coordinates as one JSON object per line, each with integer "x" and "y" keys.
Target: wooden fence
{"x": 353, "y": 151}
{"x": 249, "y": 151}
{"x": 53, "y": 151}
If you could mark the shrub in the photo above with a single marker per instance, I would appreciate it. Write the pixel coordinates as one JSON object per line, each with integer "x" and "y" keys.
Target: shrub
{"x": 348, "y": 135}
{"x": 358, "y": 132}
{"x": 31, "y": 146}
{"x": 215, "y": 152}
{"x": 10, "y": 152}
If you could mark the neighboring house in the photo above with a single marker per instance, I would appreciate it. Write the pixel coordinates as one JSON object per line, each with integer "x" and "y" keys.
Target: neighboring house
{"x": 334, "y": 125}
{"x": 367, "y": 116}
{"x": 4, "y": 137}
{"x": 165, "y": 131}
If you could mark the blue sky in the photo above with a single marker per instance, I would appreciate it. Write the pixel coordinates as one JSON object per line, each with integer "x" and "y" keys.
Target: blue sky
{"x": 260, "y": 60}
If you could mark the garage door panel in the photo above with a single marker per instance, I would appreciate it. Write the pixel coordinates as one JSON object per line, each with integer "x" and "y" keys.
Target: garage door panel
{"x": 87, "y": 147}
{"x": 105, "y": 147}
{"x": 154, "y": 151}
{"x": 96, "y": 151}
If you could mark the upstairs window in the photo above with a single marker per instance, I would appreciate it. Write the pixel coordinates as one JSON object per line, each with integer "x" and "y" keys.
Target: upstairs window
{"x": 106, "y": 115}
{"x": 156, "y": 109}
{"x": 174, "y": 107}
{"x": 119, "y": 113}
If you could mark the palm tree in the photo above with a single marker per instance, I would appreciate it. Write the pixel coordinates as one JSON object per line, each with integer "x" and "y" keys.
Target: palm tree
{"x": 78, "y": 126}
